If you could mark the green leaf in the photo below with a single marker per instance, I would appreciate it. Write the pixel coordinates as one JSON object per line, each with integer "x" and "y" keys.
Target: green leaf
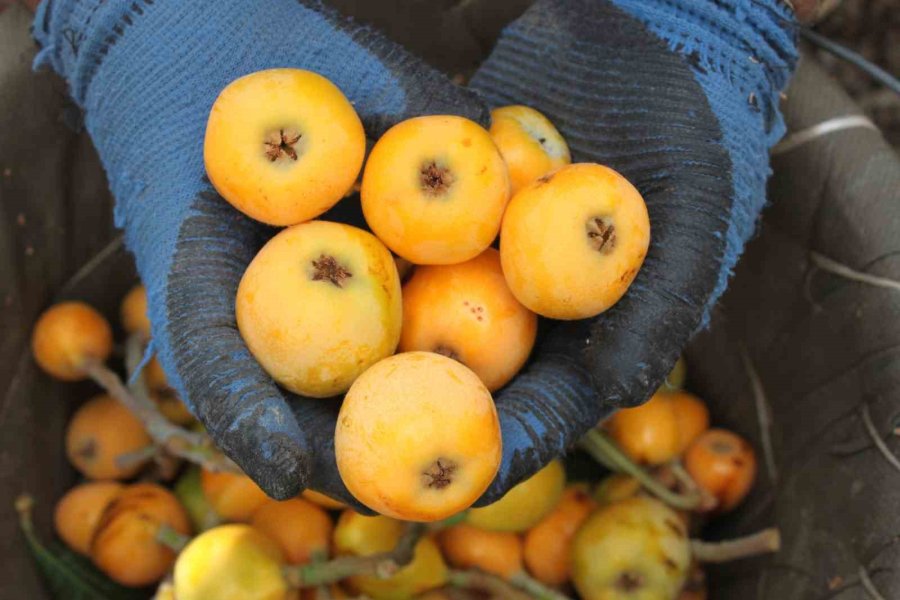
{"x": 189, "y": 491}
{"x": 68, "y": 575}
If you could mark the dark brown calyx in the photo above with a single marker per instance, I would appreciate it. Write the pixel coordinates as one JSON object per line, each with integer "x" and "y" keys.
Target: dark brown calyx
{"x": 327, "y": 268}
{"x": 436, "y": 180}
{"x": 447, "y": 351}
{"x": 629, "y": 581}
{"x": 721, "y": 447}
{"x": 281, "y": 144}
{"x": 87, "y": 450}
{"x": 601, "y": 234}
{"x": 439, "y": 474}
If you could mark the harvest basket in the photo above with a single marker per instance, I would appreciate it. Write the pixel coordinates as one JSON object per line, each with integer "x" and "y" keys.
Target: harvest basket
{"x": 801, "y": 356}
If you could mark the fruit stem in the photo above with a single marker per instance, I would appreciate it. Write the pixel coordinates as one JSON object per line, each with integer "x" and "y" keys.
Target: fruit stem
{"x": 535, "y": 588}
{"x": 763, "y": 542}
{"x": 493, "y": 585}
{"x": 137, "y": 457}
{"x": 171, "y": 539}
{"x": 707, "y": 501}
{"x": 191, "y": 446}
{"x": 604, "y": 450}
{"x": 381, "y": 565}
{"x": 24, "y": 505}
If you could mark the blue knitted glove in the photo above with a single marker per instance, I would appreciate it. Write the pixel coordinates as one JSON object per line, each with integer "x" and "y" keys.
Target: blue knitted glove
{"x": 679, "y": 95}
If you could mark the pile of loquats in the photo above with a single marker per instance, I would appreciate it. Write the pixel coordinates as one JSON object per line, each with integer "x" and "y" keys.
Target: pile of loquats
{"x": 414, "y": 325}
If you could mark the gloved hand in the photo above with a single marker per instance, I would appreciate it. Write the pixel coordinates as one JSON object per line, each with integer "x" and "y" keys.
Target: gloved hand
{"x": 678, "y": 95}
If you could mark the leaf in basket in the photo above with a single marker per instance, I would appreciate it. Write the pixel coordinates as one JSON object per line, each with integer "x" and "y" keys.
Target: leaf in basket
{"x": 68, "y": 575}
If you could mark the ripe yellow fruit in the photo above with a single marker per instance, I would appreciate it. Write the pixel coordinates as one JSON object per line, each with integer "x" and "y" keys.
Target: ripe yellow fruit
{"x": 322, "y": 500}
{"x": 497, "y": 552}
{"x": 301, "y": 529}
{"x": 529, "y": 143}
{"x": 318, "y": 305}
{"x": 434, "y": 189}
{"x": 78, "y": 513}
{"x": 133, "y": 312}
{"x": 573, "y": 241}
{"x": 417, "y": 437}
{"x": 636, "y": 548}
{"x": 660, "y": 429}
{"x": 467, "y": 312}
{"x": 68, "y": 336}
{"x": 230, "y": 562}
{"x": 125, "y": 545}
{"x": 525, "y": 504}
{"x": 548, "y": 545}
{"x": 101, "y": 431}
{"x": 364, "y": 536}
{"x": 233, "y": 497}
{"x": 283, "y": 145}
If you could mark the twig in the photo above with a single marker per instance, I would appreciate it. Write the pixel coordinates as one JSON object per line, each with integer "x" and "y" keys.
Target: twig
{"x": 763, "y": 414}
{"x": 381, "y": 565}
{"x": 24, "y": 506}
{"x": 476, "y": 580}
{"x": 535, "y": 588}
{"x": 171, "y": 539}
{"x": 832, "y": 266}
{"x": 869, "y": 585}
{"x": 140, "y": 456}
{"x": 876, "y": 437}
{"x": 707, "y": 501}
{"x": 191, "y": 446}
{"x": 602, "y": 448}
{"x": 763, "y": 542}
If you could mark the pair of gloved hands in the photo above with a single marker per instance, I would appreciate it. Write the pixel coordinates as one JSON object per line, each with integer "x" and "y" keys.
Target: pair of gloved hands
{"x": 678, "y": 95}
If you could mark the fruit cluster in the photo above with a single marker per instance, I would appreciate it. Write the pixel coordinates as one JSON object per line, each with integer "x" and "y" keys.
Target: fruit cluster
{"x": 417, "y": 438}
{"x": 626, "y": 536}
{"x": 322, "y": 308}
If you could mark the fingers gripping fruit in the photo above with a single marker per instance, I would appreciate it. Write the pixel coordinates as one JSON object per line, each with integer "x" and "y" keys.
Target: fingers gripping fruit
{"x": 233, "y": 497}
{"x": 101, "y": 431}
{"x": 301, "y": 529}
{"x": 497, "y": 552}
{"x": 723, "y": 464}
{"x": 635, "y": 549}
{"x": 318, "y": 305}
{"x": 573, "y": 241}
{"x": 525, "y": 504}
{"x": 434, "y": 189}
{"x": 530, "y": 144}
{"x": 125, "y": 546}
{"x": 417, "y": 437}
{"x": 78, "y": 513}
{"x": 364, "y": 536}
{"x": 466, "y": 311}
{"x": 660, "y": 429}
{"x": 67, "y": 337}
{"x": 283, "y": 145}
{"x": 230, "y": 562}
{"x": 548, "y": 545}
